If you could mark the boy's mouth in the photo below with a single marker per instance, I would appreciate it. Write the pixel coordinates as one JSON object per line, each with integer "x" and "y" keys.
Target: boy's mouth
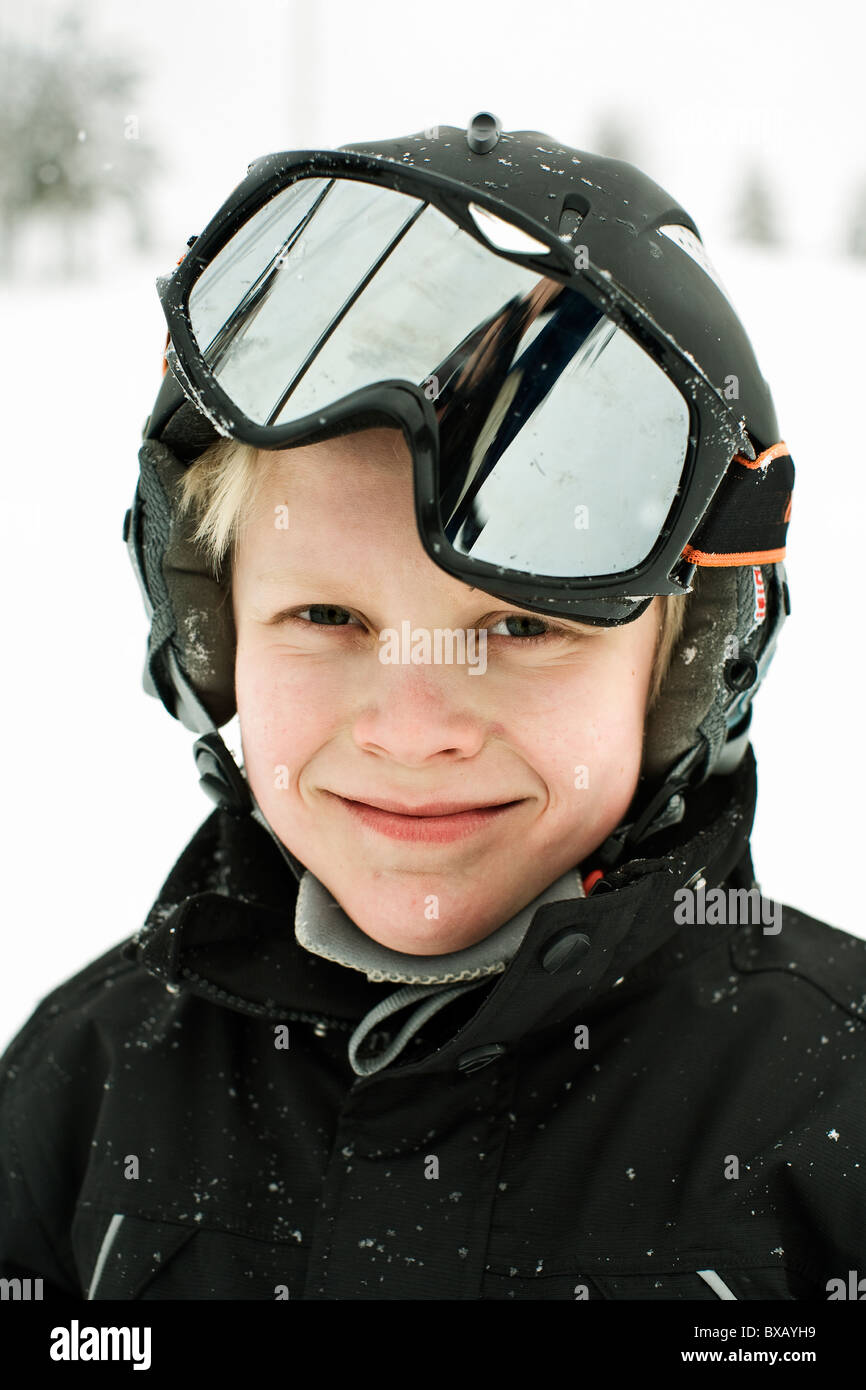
{"x": 437, "y": 821}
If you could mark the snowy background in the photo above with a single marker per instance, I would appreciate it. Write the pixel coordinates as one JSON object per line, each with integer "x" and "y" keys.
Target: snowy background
{"x": 751, "y": 114}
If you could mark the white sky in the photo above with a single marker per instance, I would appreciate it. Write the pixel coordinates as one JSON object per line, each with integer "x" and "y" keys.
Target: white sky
{"x": 709, "y": 88}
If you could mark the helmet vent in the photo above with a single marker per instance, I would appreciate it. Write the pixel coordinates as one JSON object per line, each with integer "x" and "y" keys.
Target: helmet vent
{"x": 569, "y": 223}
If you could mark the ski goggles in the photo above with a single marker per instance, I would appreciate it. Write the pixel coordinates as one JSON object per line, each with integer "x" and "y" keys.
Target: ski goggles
{"x": 564, "y": 448}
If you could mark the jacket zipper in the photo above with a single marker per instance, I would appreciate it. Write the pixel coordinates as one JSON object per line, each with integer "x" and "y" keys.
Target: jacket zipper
{"x": 718, "y": 1286}
{"x": 108, "y": 1240}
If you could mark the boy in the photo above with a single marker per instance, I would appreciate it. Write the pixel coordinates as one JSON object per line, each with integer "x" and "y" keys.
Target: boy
{"x": 466, "y": 989}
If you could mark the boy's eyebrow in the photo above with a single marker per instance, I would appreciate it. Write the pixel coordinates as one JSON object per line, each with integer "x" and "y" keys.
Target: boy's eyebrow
{"x": 306, "y": 575}
{"x": 280, "y": 576}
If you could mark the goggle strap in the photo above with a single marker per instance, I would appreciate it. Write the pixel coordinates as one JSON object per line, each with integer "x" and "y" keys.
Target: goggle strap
{"x": 750, "y": 513}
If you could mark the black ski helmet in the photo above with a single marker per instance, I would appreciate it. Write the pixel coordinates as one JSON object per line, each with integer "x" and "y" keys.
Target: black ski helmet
{"x": 649, "y": 249}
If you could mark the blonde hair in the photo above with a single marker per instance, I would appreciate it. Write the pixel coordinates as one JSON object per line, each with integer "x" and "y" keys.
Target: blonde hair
{"x": 222, "y": 486}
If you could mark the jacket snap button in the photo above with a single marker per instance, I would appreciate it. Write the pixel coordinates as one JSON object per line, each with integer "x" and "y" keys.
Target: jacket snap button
{"x": 567, "y": 947}
{"x": 480, "y": 1056}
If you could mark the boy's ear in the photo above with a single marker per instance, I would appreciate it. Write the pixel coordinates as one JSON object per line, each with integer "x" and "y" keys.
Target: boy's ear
{"x": 192, "y": 608}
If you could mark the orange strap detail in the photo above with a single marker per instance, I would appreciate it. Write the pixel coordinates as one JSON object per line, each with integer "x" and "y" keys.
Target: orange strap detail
{"x": 745, "y": 557}
{"x": 591, "y": 880}
{"x": 774, "y": 452}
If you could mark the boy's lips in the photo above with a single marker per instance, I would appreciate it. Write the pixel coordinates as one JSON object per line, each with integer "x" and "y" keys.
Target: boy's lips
{"x": 437, "y": 821}
{"x": 427, "y": 808}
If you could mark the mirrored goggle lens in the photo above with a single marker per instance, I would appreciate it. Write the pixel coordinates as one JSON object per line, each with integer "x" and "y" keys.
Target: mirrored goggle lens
{"x": 562, "y": 442}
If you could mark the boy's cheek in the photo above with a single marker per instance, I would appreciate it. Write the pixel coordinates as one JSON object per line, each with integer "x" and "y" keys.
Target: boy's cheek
{"x": 283, "y": 725}
{"x": 271, "y": 692}
{"x": 264, "y": 725}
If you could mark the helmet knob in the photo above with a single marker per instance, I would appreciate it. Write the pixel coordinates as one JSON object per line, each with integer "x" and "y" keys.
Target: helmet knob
{"x": 483, "y": 132}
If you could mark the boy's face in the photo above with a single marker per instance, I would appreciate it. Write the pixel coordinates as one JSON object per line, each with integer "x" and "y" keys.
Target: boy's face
{"x": 554, "y": 727}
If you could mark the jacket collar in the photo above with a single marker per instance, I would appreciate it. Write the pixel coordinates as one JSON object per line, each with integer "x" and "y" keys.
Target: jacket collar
{"x": 222, "y": 926}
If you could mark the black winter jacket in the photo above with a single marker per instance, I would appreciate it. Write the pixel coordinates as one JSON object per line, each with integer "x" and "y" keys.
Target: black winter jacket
{"x": 634, "y": 1109}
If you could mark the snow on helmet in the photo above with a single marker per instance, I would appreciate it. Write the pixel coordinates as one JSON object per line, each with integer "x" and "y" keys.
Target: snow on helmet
{"x": 639, "y": 257}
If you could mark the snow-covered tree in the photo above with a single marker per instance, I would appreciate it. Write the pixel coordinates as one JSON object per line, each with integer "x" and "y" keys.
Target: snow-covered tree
{"x": 614, "y": 138}
{"x": 70, "y": 141}
{"x": 754, "y": 214}
{"x": 856, "y": 239}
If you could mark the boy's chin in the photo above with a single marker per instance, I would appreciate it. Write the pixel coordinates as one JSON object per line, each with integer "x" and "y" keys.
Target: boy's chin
{"x": 421, "y": 925}
{"x": 429, "y": 943}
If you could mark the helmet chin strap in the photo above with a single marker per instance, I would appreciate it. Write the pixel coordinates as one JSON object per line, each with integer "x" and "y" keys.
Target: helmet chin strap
{"x": 297, "y": 868}
{"x": 219, "y": 775}
{"x": 226, "y": 784}
{"x": 666, "y": 806}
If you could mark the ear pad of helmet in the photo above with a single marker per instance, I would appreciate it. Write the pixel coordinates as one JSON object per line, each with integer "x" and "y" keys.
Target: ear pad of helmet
{"x": 720, "y": 627}
{"x": 192, "y": 608}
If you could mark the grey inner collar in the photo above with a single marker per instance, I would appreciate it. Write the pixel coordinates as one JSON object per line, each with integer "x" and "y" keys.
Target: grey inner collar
{"x": 323, "y": 928}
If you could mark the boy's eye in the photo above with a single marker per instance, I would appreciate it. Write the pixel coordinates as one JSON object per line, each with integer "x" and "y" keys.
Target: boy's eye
{"x": 325, "y": 614}
{"x": 543, "y": 628}
{"x": 516, "y": 624}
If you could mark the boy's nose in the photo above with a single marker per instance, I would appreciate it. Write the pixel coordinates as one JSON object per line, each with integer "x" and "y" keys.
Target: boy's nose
{"x": 416, "y": 713}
